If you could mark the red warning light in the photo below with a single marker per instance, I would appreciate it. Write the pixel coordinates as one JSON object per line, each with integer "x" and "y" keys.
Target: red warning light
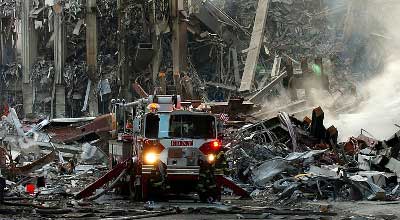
{"x": 216, "y": 145}
{"x": 30, "y": 188}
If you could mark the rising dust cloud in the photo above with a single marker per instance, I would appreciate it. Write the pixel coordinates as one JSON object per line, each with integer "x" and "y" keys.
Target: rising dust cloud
{"x": 381, "y": 108}
{"x": 380, "y": 111}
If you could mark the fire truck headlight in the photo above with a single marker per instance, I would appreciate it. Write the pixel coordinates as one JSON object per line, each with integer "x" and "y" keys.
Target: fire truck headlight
{"x": 211, "y": 158}
{"x": 150, "y": 158}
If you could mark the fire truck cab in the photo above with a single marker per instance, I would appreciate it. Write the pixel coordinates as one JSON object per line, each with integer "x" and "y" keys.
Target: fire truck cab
{"x": 173, "y": 148}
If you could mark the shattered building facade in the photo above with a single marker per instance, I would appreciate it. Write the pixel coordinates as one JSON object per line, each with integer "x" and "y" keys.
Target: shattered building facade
{"x": 133, "y": 42}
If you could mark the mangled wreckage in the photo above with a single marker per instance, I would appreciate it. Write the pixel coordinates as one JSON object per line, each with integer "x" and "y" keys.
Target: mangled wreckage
{"x": 303, "y": 160}
{"x": 253, "y": 65}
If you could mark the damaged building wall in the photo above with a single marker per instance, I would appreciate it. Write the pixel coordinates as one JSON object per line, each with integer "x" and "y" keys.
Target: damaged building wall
{"x": 10, "y": 72}
{"x": 74, "y": 76}
{"x": 41, "y": 92}
{"x": 135, "y": 45}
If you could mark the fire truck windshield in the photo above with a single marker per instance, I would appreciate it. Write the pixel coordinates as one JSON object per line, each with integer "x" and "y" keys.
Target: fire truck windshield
{"x": 192, "y": 126}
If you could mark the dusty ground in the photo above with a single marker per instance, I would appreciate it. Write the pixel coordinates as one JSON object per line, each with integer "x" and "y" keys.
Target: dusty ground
{"x": 230, "y": 208}
{"x": 344, "y": 210}
{"x": 385, "y": 210}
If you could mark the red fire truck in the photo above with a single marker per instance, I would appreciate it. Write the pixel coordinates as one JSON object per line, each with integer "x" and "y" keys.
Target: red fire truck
{"x": 174, "y": 148}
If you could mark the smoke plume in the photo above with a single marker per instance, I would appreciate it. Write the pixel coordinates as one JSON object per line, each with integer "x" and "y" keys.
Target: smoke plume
{"x": 380, "y": 111}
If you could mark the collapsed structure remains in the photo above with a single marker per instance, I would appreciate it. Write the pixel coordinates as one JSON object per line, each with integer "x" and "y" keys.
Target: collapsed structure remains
{"x": 79, "y": 79}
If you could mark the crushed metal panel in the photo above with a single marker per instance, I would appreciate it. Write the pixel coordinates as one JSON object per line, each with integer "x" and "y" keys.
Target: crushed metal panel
{"x": 78, "y": 26}
{"x": 34, "y": 13}
{"x": 260, "y": 94}
{"x": 36, "y": 164}
{"x": 268, "y": 170}
{"x": 394, "y": 166}
{"x": 223, "y": 181}
{"x": 13, "y": 119}
{"x": 324, "y": 171}
{"x": 116, "y": 171}
{"x": 370, "y": 190}
{"x": 376, "y": 177}
{"x": 364, "y": 162}
{"x": 303, "y": 155}
{"x": 277, "y": 66}
{"x": 215, "y": 19}
{"x": 100, "y": 124}
{"x": 72, "y": 120}
{"x": 66, "y": 134}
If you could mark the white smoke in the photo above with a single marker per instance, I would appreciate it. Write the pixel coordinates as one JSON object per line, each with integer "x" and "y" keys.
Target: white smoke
{"x": 381, "y": 110}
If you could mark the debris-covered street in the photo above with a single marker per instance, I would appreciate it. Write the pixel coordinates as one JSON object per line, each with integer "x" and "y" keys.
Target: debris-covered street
{"x": 199, "y": 109}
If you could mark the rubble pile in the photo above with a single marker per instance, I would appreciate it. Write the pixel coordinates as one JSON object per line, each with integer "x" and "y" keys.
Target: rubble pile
{"x": 296, "y": 28}
{"x": 75, "y": 71}
{"x": 9, "y": 73}
{"x": 288, "y": 161}
{"x": 39, "y": 160}
{"x": 300, "y": 29}
{"x": 45, "y": 169}
{"x": 8, "y": 8}
{"x": 47, "y": 164}
{"x": 200, "y": 53}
